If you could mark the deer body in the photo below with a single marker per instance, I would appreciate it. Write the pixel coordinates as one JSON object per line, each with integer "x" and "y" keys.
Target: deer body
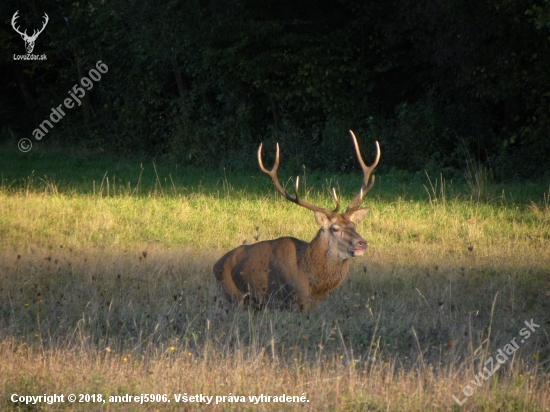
{"x": 268, "y": 271}
{"x": 285, "y": 270}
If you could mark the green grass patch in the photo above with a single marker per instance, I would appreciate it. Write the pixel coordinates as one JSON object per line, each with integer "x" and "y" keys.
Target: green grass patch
{"x": 106, "y": 287}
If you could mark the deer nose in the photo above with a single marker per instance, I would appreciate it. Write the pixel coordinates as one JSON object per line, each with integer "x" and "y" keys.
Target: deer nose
{"x": 362, "y": 244}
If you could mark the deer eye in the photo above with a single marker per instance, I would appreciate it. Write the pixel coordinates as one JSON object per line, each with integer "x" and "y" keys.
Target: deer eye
{"x": 336, "y": 229}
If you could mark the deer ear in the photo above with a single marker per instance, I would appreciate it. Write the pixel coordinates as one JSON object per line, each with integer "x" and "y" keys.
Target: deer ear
{"x": 322, "y": 219}
{"x": 357, "y": 216}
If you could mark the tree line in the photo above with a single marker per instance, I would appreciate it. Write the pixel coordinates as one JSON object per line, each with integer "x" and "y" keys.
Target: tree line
{"x": 204, "y": 81}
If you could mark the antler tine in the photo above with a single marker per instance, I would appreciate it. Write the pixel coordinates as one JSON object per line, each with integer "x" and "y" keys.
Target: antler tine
{"x": 366, "y": 186}
{"x": 273, "y": 175}
{"x": 37, "y": 32}
{"x": 13, "y": 19}
{"x": 333, "y": 193}
{"x": 275, "y": 165}
{"x": 335, "y": 198}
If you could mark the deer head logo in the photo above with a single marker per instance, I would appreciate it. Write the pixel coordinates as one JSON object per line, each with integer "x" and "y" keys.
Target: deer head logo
{"x": 29, "y": 40}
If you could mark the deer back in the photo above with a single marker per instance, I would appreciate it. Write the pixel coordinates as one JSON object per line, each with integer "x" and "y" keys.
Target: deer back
{"x": 288, "y": 269}
{"x": 266, "y": 271}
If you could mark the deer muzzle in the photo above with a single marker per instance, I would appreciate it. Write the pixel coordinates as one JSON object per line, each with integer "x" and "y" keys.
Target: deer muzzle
{"x": 358, "y": 248}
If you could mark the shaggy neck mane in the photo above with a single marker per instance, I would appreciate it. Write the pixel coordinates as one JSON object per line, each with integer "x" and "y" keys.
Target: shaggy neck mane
{"x": 325, "y": 270}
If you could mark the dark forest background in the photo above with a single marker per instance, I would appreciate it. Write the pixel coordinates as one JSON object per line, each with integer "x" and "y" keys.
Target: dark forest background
{"x": 203, "y": 82}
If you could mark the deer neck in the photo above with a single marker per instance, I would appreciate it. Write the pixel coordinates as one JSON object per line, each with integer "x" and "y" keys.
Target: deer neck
{"x": 322, "y": 264}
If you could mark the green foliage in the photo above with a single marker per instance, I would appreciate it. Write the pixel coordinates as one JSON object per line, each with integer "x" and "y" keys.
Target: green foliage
{"x": 204, "y": 84}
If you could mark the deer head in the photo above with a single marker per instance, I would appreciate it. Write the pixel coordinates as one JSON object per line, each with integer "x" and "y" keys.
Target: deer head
{"x": 289, "y": 268}
{"x": 340, "y": 227}
{"x": 29, "y": 40}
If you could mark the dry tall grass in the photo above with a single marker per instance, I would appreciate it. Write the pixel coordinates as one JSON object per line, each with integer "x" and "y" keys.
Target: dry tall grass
{"x": 115, "y": 296}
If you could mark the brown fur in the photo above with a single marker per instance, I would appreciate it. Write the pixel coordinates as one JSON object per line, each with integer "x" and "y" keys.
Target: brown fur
{"x": 288, "y": 269}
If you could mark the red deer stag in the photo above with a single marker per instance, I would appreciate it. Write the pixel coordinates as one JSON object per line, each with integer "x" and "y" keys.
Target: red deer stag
{"x": 288, "y": 269}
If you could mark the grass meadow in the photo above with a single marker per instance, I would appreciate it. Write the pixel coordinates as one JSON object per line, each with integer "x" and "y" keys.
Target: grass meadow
{"x": 106, "y": 287}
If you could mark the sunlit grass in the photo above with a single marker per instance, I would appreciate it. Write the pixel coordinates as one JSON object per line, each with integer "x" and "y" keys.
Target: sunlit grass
{"x": 107, "y": 288}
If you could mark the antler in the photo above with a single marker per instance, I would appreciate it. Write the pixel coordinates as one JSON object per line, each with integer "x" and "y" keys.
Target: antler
{"x": 24, "y": 34}
{"x": 273, "y": 175}
{"x": 15, "y": 17}
{"x": 36, "y": 33}
{"x": 367, "y": 170}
